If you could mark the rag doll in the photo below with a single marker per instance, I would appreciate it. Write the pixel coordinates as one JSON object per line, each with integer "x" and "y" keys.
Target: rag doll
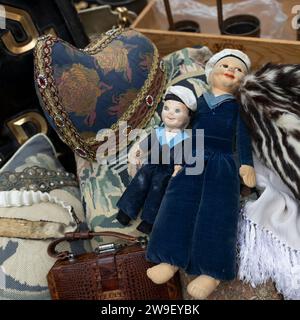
{"x": 196, "y": 225}
{"x": 147, "y": 188}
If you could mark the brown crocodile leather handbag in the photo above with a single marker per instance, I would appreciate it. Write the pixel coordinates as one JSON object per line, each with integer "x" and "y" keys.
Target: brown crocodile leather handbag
{"x": 115, "y": 271}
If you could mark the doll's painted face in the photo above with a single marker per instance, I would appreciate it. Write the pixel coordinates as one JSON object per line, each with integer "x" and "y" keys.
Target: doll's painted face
{"x": 175, "y": 115}
{"x": 227, "y": 74}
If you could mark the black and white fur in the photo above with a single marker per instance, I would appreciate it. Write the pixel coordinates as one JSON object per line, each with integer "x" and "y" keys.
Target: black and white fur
{"x": 270, "y": 100}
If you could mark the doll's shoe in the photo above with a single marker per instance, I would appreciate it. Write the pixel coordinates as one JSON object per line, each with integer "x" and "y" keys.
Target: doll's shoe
{"x": 123, "y": 218}
{"x": 201, "y": 287}
{"x": 161, "y": 273}
{"x": 145, "y": 227}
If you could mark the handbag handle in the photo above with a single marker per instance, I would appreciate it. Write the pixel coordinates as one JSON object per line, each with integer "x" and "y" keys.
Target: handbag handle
{"x": 88, "y": 235}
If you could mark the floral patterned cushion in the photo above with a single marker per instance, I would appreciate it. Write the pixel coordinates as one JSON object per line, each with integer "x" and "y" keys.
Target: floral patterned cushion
{"x": 118, "y": 78}
{"x": 24, "y": 262}
{"x": 102, "y": 185}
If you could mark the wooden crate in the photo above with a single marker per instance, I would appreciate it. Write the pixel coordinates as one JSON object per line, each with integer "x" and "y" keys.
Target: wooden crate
{"x": 260, "y": 50}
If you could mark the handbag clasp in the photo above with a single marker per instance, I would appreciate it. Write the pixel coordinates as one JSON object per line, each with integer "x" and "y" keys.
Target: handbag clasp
{"x": 108, "y": 247}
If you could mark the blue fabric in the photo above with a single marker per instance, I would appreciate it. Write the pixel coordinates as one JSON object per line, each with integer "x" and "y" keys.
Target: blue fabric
{"x": 146, "y": 191}
{"x": 196, "y": 226}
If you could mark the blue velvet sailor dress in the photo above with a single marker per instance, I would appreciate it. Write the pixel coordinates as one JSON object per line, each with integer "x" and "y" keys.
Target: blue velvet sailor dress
{"x": 196, "y": 225}
{"x": 145, "y": 192}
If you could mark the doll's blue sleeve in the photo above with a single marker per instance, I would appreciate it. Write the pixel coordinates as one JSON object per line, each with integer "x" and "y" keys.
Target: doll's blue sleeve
{"x": 244, "y": 143}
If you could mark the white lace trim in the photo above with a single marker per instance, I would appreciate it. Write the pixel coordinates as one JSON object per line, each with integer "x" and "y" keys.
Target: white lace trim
{"x": 17, "y": 198}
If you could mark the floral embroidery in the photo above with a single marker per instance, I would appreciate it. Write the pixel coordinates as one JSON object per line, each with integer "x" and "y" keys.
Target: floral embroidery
{"x": 72, "y": 83}
{"x": 146, "y": 61}
{"x": 115, "y": 58}
{"x": 121, "y": 102}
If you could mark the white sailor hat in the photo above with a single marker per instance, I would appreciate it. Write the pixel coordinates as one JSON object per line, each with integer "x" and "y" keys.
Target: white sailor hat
{"x": 223, "y": 54}
{"x": 185, "y": 94}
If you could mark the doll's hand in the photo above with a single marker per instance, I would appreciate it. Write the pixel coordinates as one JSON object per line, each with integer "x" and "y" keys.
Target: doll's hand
{"x": 134, "y": 159}
{"x": 248, "y": 175}
{"x": 177, "y": 168}
{"x": 138, "y": 157}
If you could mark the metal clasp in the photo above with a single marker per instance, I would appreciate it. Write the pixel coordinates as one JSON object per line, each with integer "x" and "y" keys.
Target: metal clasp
{"x": 71, "y": 257}
{"x": 143, "y": 241}
{"x": 109, "y": 247}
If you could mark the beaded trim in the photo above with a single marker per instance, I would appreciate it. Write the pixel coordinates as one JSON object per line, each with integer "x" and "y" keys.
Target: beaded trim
{"x": 86, "y": 148}
{"x": 36, "y": 179}
{"x": 103, "y": 41}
